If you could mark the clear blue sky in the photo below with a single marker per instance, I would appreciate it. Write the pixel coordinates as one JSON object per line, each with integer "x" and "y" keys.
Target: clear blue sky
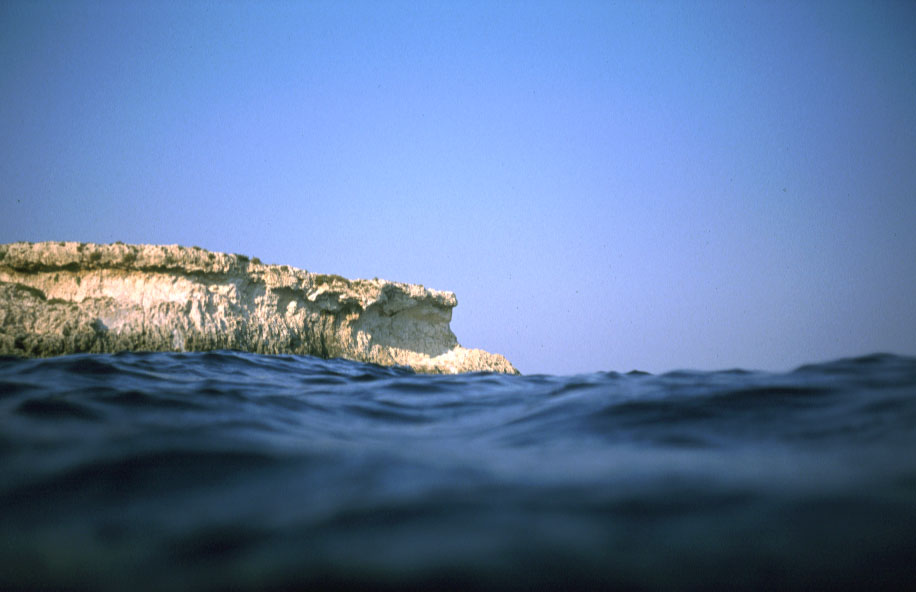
{"x": 605, "y": 185}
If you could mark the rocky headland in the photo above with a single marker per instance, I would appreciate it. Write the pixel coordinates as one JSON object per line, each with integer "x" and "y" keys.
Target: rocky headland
{"x": 65, "y": 297}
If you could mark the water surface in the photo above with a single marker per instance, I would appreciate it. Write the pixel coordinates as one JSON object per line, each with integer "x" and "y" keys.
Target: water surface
{"x": 221, "y": 470}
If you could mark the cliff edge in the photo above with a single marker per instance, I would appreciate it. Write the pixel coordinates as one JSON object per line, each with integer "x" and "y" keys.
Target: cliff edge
{"x": 65, "y": 297}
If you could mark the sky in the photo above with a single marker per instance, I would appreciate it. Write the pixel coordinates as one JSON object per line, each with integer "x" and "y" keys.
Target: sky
{"x": 604, "y": 185}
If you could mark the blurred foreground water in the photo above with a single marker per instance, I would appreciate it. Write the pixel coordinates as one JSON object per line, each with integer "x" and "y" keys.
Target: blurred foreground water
{"x": 223, "y": 470}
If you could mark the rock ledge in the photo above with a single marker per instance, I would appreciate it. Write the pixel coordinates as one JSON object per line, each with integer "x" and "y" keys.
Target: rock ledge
{"x": 65, "y": 297}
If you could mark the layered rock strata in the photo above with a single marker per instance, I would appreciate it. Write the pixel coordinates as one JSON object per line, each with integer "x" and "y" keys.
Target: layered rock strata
{"x": 67, "y": 297}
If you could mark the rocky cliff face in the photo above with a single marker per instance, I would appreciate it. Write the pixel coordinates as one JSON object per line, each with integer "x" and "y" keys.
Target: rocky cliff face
{"x": 61, "y": 298}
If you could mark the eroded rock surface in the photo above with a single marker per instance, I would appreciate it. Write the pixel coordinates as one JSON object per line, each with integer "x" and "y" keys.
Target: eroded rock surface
{"x": 61, "y": 298}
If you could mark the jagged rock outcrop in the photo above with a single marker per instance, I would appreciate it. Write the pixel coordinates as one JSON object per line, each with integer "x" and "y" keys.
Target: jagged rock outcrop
{"x": 67, "y": 297}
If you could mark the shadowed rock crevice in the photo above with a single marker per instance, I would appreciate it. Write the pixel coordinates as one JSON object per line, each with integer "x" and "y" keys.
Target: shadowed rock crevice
{"x": 64, "y": 297}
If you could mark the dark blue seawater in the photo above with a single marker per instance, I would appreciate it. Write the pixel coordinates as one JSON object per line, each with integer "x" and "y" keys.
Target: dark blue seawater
{"x": 222, "y": 470}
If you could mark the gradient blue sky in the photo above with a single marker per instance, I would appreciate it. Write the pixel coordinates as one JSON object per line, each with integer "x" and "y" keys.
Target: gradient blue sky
{"x": 605, "y": 185}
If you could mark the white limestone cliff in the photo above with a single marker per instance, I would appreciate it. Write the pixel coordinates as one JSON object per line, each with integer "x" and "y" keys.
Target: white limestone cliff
{"x": 67, "y": 297}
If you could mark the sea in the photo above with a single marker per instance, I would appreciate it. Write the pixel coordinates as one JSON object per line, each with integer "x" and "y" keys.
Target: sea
{"x": 234, "y": 471}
